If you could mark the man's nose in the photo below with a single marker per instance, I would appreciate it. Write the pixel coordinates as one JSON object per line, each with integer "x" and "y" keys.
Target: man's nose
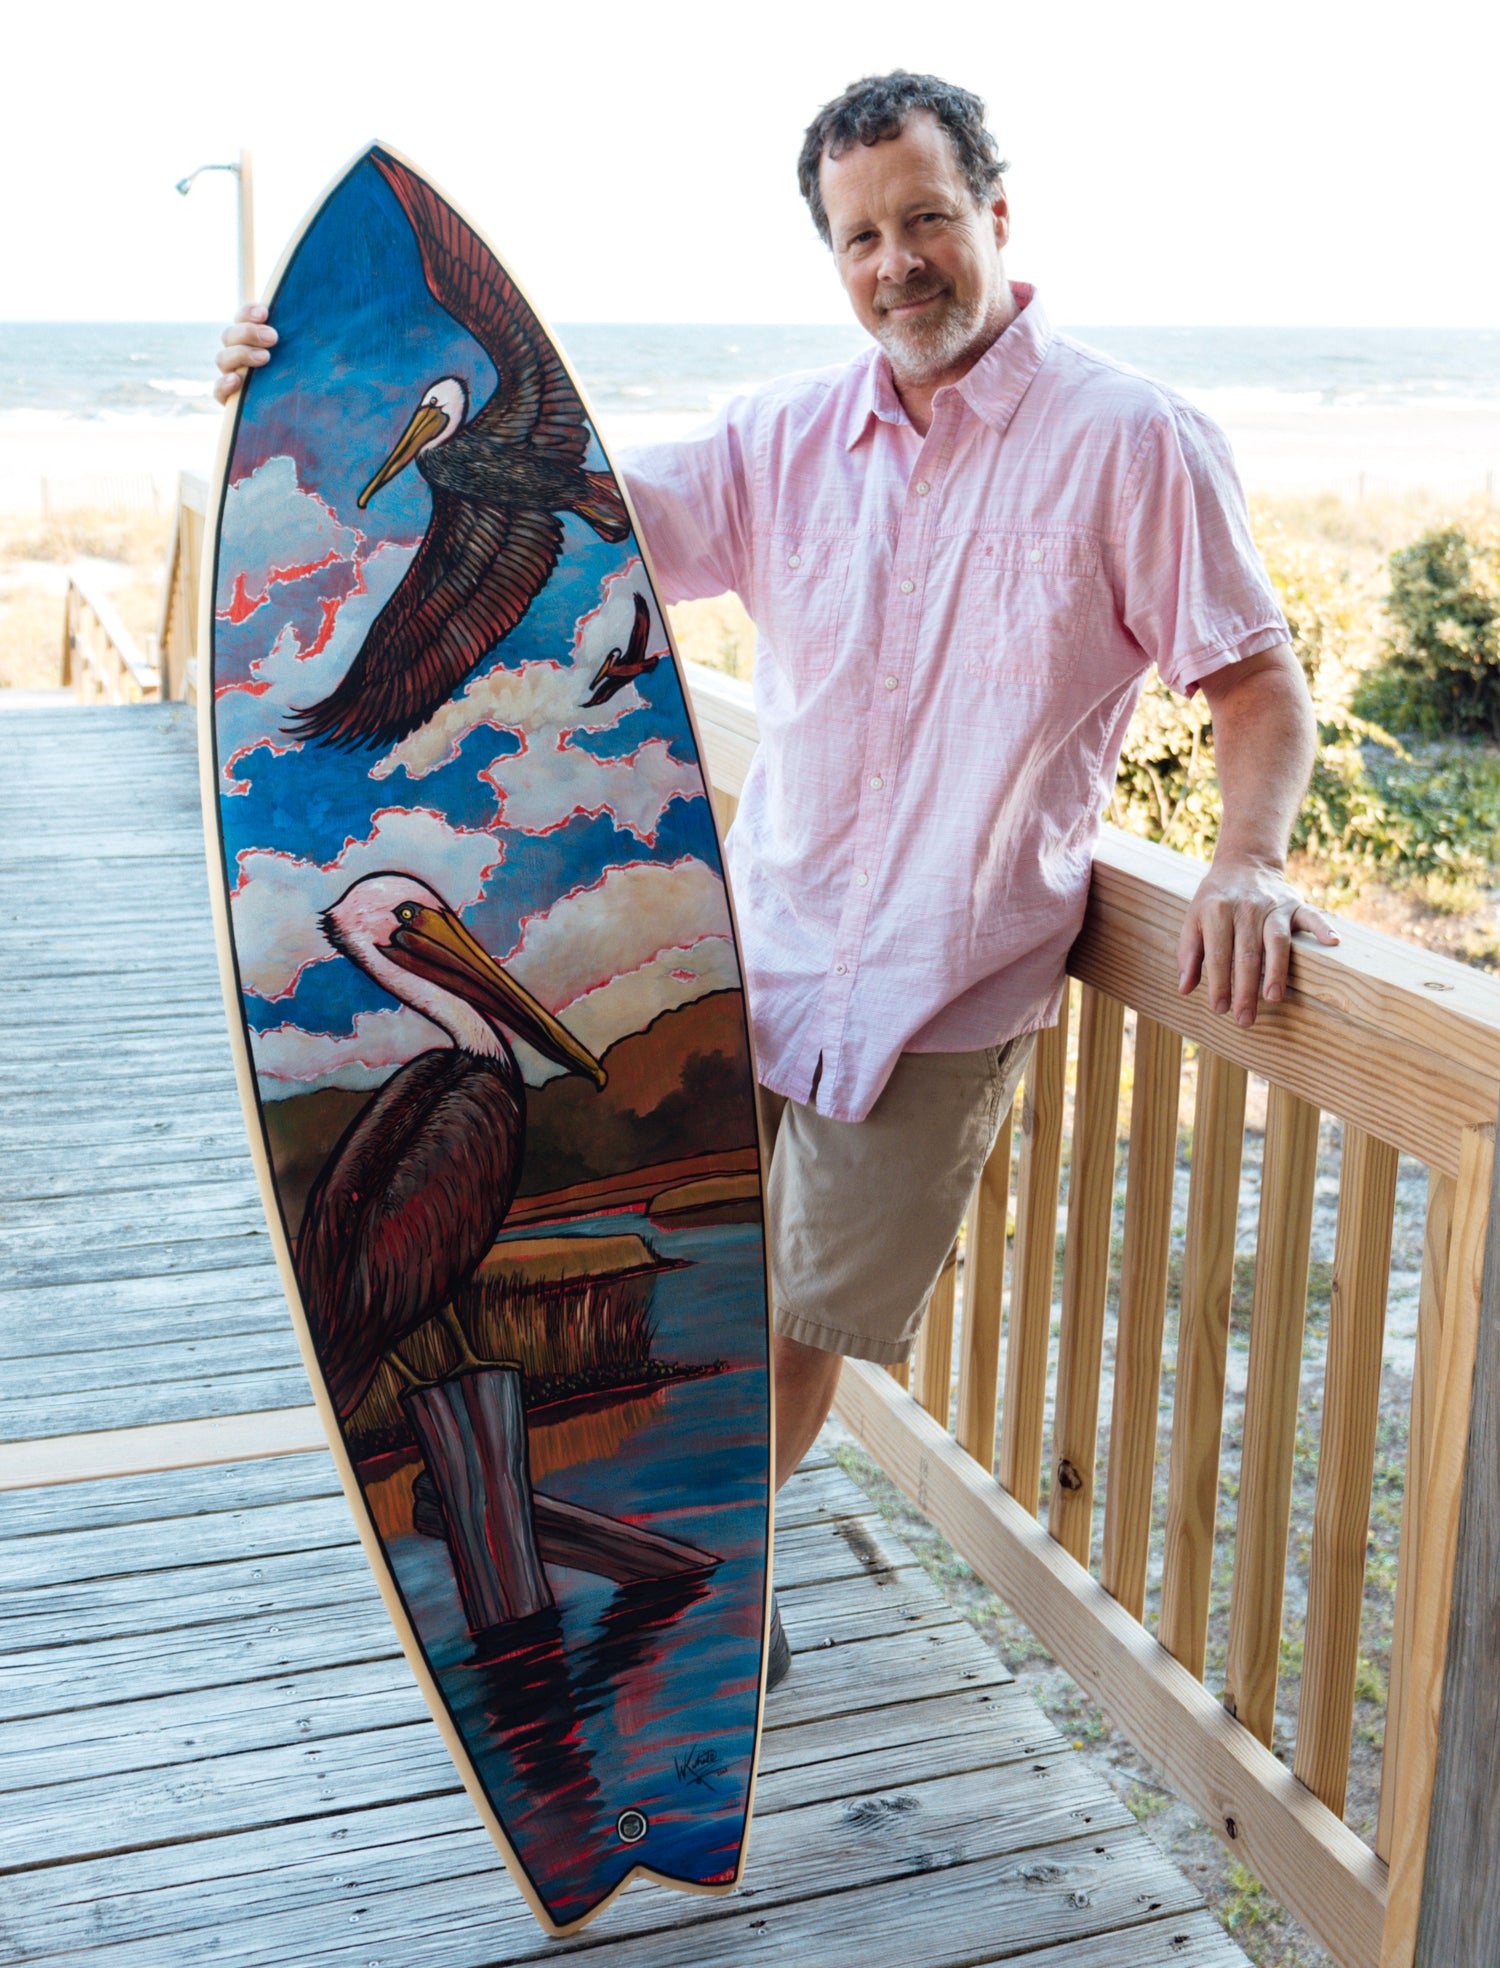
{"x": 897, "y": 263}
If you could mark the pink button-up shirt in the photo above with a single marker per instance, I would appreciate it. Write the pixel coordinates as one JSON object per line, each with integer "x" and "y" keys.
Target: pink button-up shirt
{"x": 952, "y": 632}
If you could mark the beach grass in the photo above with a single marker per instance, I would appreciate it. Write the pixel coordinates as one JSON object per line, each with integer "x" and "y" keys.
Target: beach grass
{"x": 126, "y": 553}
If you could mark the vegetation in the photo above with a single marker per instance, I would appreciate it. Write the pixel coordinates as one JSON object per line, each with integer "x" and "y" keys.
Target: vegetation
{"x": 1402, "y": 677}
{"x": 1441, "y": 673}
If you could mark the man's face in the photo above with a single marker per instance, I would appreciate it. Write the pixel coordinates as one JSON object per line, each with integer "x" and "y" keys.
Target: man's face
{"x": 920, "y": 261}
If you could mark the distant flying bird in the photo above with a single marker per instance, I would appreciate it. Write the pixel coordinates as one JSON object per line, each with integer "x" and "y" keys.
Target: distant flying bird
{"x": 622, "y": 667}
{"x": 498, "y": 478}
{"x": 412, "y": 1196}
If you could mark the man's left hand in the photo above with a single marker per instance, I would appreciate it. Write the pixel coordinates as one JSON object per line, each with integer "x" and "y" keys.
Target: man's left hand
{"x": 1237, "y": 939}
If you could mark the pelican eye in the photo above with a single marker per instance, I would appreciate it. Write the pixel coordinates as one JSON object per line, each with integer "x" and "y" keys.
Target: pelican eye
{"x": 407, "y": 912}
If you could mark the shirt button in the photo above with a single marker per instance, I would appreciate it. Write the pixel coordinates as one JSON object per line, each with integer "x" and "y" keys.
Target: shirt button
{"x": 838, "y": 970}
{"x": 891, "y": 683}
{"x": 923, "y": 488}
{"x": 795, "y": 560}
{"x": 907, "y": 587}
{"x": 876, "y": 783}
{"x": 1035, "y": 554}
{"x": 861, "y": 879}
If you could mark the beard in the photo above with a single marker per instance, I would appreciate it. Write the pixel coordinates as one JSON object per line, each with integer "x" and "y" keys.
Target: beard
{"x": 929, "y": 346}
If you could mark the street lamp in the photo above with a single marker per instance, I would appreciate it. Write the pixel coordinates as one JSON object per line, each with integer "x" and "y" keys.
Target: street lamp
{"x": 247, "y": 216}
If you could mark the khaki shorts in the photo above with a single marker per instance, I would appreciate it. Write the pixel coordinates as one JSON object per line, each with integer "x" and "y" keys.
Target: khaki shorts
{"x": 861, "y": 1215}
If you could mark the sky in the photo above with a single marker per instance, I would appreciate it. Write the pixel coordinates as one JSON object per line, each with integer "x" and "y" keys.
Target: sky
{"x": 1315, "y": 162}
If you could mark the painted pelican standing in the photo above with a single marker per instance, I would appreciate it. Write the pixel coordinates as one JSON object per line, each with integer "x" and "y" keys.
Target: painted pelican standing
{"x": 499, "y": 478}
{"x": 412, "y": 1196}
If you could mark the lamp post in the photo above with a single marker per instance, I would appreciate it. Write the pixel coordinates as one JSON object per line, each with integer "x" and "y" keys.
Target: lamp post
{"x": 242, "y": 173}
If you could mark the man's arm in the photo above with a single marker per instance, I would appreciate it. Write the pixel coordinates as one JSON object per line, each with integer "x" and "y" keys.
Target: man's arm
{"x": 1237, "y": 936}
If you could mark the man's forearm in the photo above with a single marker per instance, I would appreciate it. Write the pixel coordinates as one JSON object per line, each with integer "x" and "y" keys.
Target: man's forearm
{"x": 1265, "y": 740}
{"x": 1237, "y": 932}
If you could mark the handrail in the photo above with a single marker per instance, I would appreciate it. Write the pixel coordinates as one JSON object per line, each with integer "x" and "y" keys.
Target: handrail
{"x": 101, "y": 660}
{"x": 1403, "y": 1047}
{"x": 177, "y": 637}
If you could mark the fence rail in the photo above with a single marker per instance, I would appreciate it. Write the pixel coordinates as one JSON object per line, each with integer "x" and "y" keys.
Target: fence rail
{"x": 177, "y": 637}
{"x": 1403, "y": 1049}
{"x": 101, "y": 660}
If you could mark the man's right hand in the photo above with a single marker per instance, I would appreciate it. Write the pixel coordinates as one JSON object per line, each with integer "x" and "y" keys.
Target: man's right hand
{"x": 248, "y": 341}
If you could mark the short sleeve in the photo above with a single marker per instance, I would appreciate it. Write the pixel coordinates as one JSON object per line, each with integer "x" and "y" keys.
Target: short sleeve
{"x": 1194, "y": 591}
{"x": 693, "y": 499}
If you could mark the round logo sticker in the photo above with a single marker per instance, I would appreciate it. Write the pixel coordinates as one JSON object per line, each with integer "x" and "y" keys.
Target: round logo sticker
{"x": 632, "y": 1827}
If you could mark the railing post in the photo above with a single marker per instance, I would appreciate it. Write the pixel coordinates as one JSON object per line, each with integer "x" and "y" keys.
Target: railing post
{"x": 1460, "y": 1912}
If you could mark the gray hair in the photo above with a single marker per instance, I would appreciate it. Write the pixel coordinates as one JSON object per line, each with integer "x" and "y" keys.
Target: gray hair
{"x": 875, "y": 109}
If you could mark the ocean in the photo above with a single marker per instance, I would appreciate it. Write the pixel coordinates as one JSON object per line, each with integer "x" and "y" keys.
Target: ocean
{"x": 131, "y": 401}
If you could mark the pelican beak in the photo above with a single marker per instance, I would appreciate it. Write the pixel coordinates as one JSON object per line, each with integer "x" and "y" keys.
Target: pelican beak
{"x": 435, "y": 945}
{"x": 428, "y": 423}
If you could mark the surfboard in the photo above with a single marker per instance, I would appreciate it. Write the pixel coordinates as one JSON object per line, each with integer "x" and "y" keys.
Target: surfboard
{"x": 488, "y": 1014}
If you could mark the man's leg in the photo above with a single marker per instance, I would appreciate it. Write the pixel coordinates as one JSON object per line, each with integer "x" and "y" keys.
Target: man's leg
{"x": 807, "y": 1379}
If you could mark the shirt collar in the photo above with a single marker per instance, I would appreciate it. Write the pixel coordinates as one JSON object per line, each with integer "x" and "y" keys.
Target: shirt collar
{"x": 992, "y": 389}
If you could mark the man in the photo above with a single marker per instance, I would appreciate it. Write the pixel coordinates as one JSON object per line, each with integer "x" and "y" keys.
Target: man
{"x": 962, "y": 553}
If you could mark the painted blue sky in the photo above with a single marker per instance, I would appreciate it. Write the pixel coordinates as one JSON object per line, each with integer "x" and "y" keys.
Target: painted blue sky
{"x": 539, "y": 820}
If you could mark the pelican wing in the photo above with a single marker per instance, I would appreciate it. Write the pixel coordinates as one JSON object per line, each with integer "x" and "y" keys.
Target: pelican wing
{"x": 476, "y": 573}
{"x": 403, "y": 1210}
{"x": 534, "y": 400}
{"x": 640, "y": 634}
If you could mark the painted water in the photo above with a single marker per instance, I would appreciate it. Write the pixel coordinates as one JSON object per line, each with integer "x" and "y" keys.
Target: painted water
{"x": 635, "y": 1699}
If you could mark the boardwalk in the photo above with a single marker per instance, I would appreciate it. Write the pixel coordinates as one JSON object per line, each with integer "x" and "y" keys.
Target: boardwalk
{"x": 212, "y": 1750}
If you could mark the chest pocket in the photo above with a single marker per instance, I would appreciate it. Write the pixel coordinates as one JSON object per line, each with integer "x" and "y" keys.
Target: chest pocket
{"x": 1025, "y": 601}
{"x": 802, "y": 600}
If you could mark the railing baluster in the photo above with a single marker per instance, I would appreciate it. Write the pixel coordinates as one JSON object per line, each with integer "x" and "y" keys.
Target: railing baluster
{"x": 934, "y": 1376}
{"x": 1346, "y": 1464}
{"x": 1091, "y": 1190}
{"x": 1202, "y": 1345}
{"x": 1276, "y": 1320}
{"x": 984, "y": 1287}
{"x": 1029, "y": 1332}
{"x": 1441, "y": 1192}
{"x": 1442, "y": 1498}
{"x": 1134, "y": 1414}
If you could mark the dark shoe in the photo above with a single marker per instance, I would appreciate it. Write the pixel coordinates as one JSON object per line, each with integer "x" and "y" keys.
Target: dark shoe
{"x": 779, "y": 1653}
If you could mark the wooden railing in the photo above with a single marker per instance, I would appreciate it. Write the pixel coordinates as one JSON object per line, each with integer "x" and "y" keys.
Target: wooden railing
{"x": 1403, "y": 1049}
{"x": 101, "y": 660}
{"x": 178, "y": 636}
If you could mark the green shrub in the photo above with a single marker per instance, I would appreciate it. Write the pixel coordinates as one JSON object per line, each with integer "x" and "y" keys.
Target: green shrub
{"x": 1375, "y": 809}
{"x": 1441, "y": 673}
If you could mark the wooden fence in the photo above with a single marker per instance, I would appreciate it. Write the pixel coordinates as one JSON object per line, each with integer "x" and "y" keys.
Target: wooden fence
{"x": 1403, "y": 1049}
{"x": 178, "y": 635}
{"x": 101, "y": 660}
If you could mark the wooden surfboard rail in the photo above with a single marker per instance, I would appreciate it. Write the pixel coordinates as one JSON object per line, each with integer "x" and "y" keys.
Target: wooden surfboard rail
{"x": 470, "y": 1422}
{"x": 1402, "y": 1048}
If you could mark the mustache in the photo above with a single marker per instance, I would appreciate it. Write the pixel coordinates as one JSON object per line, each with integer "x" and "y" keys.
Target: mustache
{"x": 912, "y": 290}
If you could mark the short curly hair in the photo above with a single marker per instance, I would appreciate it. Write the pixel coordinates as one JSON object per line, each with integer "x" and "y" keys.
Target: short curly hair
{"x": 875, "y": 109}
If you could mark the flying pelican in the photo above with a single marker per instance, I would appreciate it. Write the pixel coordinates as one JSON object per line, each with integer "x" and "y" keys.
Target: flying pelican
{"x": 499, "y": 478}
{"x": 622, "y": 667}
{"x": 412, "y": 1196}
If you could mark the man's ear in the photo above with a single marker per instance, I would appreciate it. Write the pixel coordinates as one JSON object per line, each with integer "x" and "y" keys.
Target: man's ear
{"x": 1000, "y": 212}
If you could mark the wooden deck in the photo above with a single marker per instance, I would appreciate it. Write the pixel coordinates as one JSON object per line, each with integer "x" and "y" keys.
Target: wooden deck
{"x": 212, "y": 1751}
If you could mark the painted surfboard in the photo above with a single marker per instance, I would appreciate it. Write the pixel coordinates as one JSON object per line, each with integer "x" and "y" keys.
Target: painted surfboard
{"x": 484, "y": 989}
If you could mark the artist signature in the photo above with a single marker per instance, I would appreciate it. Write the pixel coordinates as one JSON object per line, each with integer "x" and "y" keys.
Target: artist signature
{"x": 699, "y": 1766}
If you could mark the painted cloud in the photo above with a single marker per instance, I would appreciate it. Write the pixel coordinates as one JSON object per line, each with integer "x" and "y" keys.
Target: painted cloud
{"x": 277, "y": 900}
{"x": 281, "y": 533}
{"x": 550, "y": 780}
{"x": 607, "y": 959}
